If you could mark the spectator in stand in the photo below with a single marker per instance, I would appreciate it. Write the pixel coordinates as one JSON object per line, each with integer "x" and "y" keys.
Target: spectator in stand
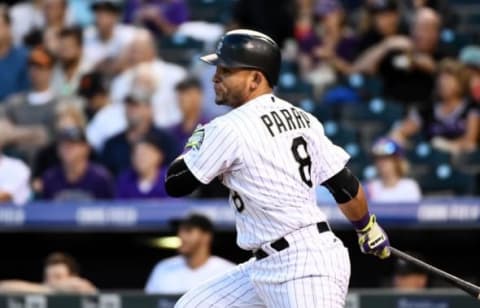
{"x": 162, "y": 17}
{"x": 14, "y": 180}
{"x": 27, "y": 119}
{"x": 146, "y": 178}
{"x": 324, "y": 56}
{"x": 139, "y": 114}
{"x": 452, "y": 123}
{"x": 72, "y": 62}
{"x": 144, "y": 61}
{"x": 408, "y": 277}
{"x": 27, "y": 16}
{"x": 68, "y": 115}
{"x": 60, "y": 275}
{"x": 278, "y": 23}
{"x": 392, "y": 185}
{"x": 106, "y": 40}
{"x": 384, "y": 21}
{"x": 190, "y": 99}
{"x": 407, "y": 65}
{"x": 194, "y": 265}
{"x": 470, "y": 57}
{"x": 443, "y": 7}
{"x": 104, "y": 119}
{"x": 13, "y": 61}
{"x": 76, "y": 178}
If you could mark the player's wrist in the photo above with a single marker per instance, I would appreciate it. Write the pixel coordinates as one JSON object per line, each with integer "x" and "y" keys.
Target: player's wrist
{"x": 365, "y": 223}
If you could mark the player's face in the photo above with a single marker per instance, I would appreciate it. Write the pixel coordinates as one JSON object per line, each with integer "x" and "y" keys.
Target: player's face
{"x": 56, "y": 273}
{"x": 193, "y": 239}
{"x": 230, "y": 86}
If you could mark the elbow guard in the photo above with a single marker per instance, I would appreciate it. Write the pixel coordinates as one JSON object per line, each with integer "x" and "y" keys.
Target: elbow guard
{"x": 180, "y": 180}
{"x": 343, "y": 186}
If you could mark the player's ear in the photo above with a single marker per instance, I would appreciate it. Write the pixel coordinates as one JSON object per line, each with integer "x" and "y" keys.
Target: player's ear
{"x": 256, "y": 80}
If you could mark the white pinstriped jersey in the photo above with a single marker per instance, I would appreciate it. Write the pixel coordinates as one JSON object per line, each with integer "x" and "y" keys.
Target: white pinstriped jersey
{"x": 271, "y": 155}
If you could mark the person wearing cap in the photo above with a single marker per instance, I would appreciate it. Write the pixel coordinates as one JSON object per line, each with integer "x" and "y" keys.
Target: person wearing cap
{"x": 140, "y": 122}
{"x": 72, "y": 63}
{"x": 408, "y": 277}
{"x": 470, "y": 57}
{"x": 195, "y": 263}
{"x": 75, "y": 178}
{"x": 26, "y": 119}
{"x": 452, "y": 122}
{"x": 145, "y": 180}
{"x": 407, "y": 64}
{"x": 392, "y": 185}
{"x": 13, "y": 61}
{"x": 107, "y": 38}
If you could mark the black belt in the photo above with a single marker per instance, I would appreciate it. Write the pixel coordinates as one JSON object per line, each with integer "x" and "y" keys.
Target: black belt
{"x": 282, "y": 243}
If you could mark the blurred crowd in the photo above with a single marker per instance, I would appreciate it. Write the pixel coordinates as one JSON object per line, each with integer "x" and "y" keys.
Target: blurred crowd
{"x": 98, "y": 96}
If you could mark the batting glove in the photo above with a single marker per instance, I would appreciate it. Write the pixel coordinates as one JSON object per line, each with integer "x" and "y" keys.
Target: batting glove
{"x": 373, "y": 240}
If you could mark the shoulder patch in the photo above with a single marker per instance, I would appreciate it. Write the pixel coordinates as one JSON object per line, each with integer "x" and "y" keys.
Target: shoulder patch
{"x": 196, "y": 139}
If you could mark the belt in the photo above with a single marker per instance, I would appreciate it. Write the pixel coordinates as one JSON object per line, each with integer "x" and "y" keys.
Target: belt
{"x": 282, "y": 243}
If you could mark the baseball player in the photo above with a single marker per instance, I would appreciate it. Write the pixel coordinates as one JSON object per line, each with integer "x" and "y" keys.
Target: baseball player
{"x": 272, "y": 155}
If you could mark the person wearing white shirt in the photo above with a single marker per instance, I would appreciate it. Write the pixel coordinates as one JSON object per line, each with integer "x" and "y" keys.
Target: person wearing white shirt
{"x": 194, "y": 265}
{"x": 72, "y": 63}
{"x": 107, "y": 38}
{"x": 14, "y": 180}
{"x": 143, "y": 57}
{"x": 392, "y": 185}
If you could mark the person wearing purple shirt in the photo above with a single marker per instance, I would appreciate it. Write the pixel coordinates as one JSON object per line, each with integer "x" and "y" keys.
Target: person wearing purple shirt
{"x": 162, "y": 17}
{"x": 146, "y": 178}
{"x": 190, "y": 98}
{"x": 75, "y": 178}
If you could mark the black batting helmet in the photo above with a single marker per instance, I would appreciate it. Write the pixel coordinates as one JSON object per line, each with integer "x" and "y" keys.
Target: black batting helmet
{"x": 248, "y": 49}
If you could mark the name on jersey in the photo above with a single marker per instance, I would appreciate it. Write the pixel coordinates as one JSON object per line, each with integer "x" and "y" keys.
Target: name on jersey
{"x": 284, "y": 120}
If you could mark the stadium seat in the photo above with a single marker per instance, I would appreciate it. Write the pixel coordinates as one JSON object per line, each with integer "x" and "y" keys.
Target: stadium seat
{"x": 293, "y": 89}
{"x": 423, "y": 158}
{"x": 468, "y": 162}
{"x": 444, "y": 179}
{"x": 217, "y": 11}
{"x": 180, "y": 49}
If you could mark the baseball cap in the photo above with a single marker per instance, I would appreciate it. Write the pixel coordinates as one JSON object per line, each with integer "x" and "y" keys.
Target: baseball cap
{"x": 379, "y": 6}
{"x": 196, "y": 221}
{"x": 40, "y": 57}
{"x": 72, "y": 134}
{"x": 91, "y": 84}
{"x": 470, "y": 56}
{"x": 108, "y": 5}
{"x": 386, "y": 147}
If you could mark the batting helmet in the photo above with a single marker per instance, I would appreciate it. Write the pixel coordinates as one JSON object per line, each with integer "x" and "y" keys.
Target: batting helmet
{"x": 248, "y": 49}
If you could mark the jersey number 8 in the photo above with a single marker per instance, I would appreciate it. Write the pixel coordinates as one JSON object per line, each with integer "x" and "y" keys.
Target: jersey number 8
{"x": 303, "y": 159}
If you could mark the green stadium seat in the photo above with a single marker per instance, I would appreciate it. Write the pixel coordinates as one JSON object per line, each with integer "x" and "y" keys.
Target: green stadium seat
{"x": 445, "y": 179}
{"x": 217, "y": 11}
{"x": 180, "y": 49}
{"x": 293, "y": 89}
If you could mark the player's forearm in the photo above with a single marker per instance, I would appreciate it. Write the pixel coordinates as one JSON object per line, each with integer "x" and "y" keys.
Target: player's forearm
{"x": 180, "y": 181}
{"x": 355, "y": 209}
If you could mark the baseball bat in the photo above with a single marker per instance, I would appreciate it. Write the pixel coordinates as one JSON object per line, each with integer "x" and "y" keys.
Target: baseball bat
{"x": 466, "y": 286}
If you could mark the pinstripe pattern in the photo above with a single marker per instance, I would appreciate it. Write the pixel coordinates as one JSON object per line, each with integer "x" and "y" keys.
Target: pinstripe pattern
{"x": 313, "y": 272}
{"x": 256, "y": 161}
{"x": 262, "y": 169}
